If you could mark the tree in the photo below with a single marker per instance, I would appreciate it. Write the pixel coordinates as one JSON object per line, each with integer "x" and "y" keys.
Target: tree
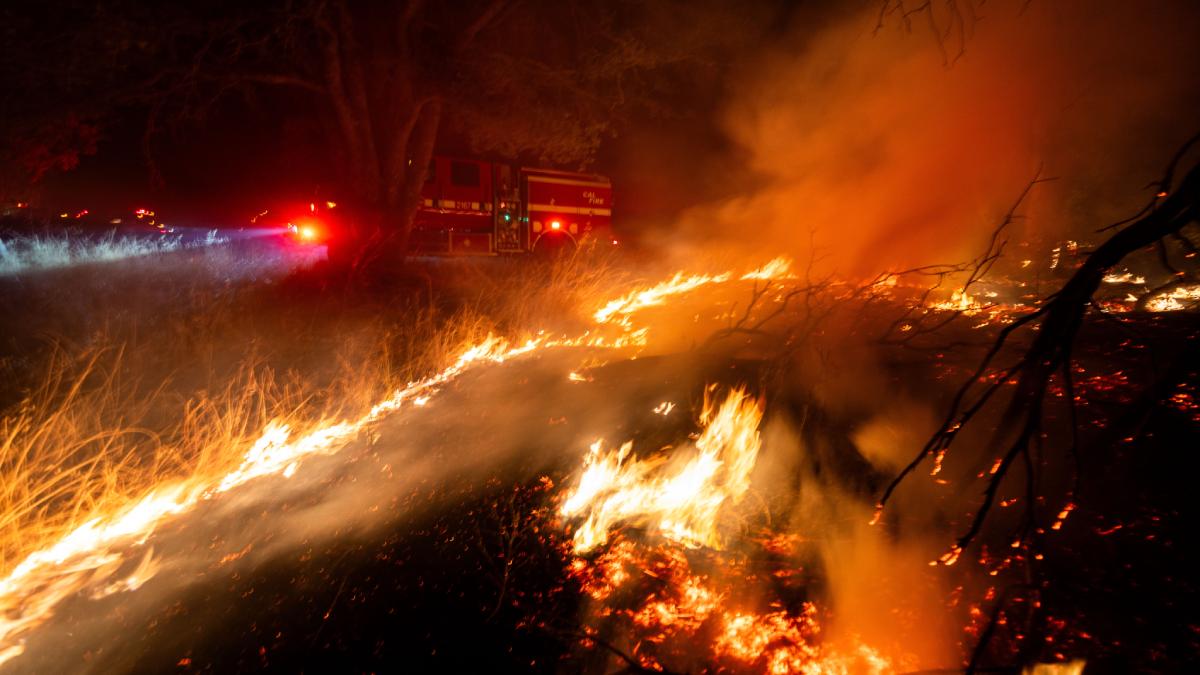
{"x": 40, "y": 133}
{"x": 382, "y": 80}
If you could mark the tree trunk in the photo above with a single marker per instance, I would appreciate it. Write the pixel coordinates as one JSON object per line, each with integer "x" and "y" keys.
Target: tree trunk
{"x": 380, "y": 223}
{"x": 412, "y": 176}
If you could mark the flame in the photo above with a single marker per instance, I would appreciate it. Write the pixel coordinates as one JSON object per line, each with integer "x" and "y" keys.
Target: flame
{"x": 1177, "y": 299}
{"x": 1124, "y": 278}
{"x": 670, "y": 611}
{"x": 87, "y": 556}
{"x": 960, "y": 301}
{"x": 677, "y": 502}
{"x": 658, "y": 294}
{"x": 747, "y": 637}
{"x": 1065, "y": 668}
{"x": 778, "y": 268}
{"x": 655, "y": 295}
{"x": 80, "y": 559}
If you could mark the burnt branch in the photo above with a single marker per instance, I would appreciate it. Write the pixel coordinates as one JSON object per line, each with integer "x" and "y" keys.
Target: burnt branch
{"x": 950, "y": 28}
{"x": 1058, "y": 320}
{"x": 913, "y": 323}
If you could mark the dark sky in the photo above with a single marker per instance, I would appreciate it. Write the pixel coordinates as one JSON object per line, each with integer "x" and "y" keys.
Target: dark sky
{"x": 247, "y": 152}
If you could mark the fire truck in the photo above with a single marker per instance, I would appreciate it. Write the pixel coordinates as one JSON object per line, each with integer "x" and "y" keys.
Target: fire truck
{"x": 475, "y": 207}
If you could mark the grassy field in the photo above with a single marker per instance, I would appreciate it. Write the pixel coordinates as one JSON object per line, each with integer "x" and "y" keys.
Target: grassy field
{"x": 129, "y": 364}
{"x": 123, "y": 375}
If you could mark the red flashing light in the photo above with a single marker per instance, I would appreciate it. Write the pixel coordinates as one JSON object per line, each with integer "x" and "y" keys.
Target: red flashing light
{"x": 556, "y": 225}
{"x": 312, "y": 207}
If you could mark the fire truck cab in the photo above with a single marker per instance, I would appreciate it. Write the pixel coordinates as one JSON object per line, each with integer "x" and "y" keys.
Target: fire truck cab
{"x": 475, "y": 207}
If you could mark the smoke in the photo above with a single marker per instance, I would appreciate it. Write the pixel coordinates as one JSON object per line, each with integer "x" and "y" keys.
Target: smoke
{"x": 503, "y": 421}
{"x": 886, "y": 147}
{"x": 876, "y": 581}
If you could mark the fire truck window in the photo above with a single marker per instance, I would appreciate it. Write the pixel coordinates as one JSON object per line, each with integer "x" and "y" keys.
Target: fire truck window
{"x": 464, "y": 174}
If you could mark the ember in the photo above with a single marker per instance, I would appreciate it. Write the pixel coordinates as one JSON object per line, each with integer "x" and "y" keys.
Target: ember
{"x": 648, "y": 582}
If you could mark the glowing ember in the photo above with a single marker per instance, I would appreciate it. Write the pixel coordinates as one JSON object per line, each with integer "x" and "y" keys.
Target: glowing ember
{"x": 1065, "y": 668}
{"x": 675, "y": 617}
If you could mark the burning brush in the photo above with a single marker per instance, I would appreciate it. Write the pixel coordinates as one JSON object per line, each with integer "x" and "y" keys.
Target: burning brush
{"x": 92, "y": 556}
{"x": 651, "y": 558}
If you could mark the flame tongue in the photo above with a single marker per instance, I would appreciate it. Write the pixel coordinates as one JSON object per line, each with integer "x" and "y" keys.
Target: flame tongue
{"x": 620, "y": 308}
{"x": 679, "y": 501}
{"x": 655, "y": 295}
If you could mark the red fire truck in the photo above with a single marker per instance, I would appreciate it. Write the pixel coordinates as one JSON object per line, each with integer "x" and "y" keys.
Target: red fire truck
{"x": 474, "y": 207}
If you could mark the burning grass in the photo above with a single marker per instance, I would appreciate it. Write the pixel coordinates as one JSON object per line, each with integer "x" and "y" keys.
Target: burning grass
{"x": 149, "y": 422}
{"x": 131, "y": 463}
{"x": 669, "y": 562}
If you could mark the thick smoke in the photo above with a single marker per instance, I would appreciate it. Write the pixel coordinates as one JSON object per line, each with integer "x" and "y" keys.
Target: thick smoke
{"x": 904, "y": 144}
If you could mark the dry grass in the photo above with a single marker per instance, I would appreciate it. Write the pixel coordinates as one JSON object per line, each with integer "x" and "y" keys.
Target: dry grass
{"x": 24, "y": 253}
